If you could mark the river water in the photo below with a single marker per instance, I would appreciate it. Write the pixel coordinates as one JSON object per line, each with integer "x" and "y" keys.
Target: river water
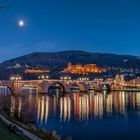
{"x": 83, "y": 116}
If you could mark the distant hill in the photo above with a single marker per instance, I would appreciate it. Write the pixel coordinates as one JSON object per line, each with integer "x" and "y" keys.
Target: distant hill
{"x": 57, "y": 61}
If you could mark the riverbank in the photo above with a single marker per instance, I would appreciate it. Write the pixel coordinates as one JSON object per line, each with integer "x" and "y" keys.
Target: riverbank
{"x": 6, "y": 134}
{"x": 25, "y": 133}
{"x": 29, "y": 131}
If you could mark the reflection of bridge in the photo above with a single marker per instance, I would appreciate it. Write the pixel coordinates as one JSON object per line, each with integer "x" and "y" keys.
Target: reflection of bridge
{"x": 77, "y": 106}
{"x": 43, "y": 85}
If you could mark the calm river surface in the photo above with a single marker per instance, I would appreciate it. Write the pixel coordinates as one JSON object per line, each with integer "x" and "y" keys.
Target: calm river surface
{"x": 83, "y": 116}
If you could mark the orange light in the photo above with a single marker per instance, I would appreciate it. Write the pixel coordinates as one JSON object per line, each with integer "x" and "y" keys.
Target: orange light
{"x": 83, "y": 69}
{"x": 36, "y": 71}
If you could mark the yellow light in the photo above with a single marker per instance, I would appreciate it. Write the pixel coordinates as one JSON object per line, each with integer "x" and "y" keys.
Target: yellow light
{"x": 19, "y": 78}
{"x": 12, "y": 78}
{"x": 43, "y": 77}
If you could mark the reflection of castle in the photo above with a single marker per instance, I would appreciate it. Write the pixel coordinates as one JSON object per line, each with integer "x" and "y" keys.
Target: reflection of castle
{"x": 83, "y": 69}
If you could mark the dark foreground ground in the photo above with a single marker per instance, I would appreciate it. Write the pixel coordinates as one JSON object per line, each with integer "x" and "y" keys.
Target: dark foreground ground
{"x": 6, "y": 134}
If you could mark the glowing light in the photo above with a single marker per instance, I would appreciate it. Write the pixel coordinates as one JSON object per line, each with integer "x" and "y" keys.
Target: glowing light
{"x": 36, "y": 71}
{"x": 65, "y": 78}
{"x": 43, "y": 77}
{"x": 15, "y": 77}
{"x": 83, "y": 69}
{"x": 21, "y": 23}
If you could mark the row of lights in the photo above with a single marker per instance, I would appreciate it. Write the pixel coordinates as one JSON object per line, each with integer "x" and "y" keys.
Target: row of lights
{"x": 65, "y": 78}
{"x": 15, "y": 78}
{"x": 18, "y": 77}
{"x": 79, "y": 79}
{"x": 43, "y": 77}
{"x": 83, "y": 79}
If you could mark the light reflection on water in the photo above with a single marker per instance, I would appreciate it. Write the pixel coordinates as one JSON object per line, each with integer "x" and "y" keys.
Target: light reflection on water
{"x": 79, "y": 115}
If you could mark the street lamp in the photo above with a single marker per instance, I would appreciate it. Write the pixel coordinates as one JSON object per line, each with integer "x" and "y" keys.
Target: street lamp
{"x": 65, "y": 78}
{"x": 15, "y": 77}
{"x": 43, "y": 77}
{"x": 83, "y": 79}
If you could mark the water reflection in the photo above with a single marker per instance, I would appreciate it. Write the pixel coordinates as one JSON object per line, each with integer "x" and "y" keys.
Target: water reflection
{"x": 76, "y": 106}
{"x": 42, "y": 109}
{"x": 50, "y": 111}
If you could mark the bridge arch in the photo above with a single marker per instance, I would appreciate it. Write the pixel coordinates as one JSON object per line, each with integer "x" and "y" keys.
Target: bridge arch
{"x": 8, "y": 87}
{"x": 106, "y": 87}
{"x": 81, "y": 86}
{"x": 32, "y": 85}
{"x": 61, "y": 85}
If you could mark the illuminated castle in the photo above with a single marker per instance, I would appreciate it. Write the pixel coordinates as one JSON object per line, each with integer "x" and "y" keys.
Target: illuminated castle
{"x": 83, "y": 69}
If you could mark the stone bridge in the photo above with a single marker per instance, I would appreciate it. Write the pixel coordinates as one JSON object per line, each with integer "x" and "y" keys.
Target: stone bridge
{"x": 43, "y": 85}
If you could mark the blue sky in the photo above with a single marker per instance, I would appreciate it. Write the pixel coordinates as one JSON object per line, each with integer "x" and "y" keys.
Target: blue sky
{"x": 108, "y": 26}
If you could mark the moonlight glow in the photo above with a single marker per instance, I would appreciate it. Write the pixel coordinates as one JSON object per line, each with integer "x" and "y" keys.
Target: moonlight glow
{"x": 21, "y": 23}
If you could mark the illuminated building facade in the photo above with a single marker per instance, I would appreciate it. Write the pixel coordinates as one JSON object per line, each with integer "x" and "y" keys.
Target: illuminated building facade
{"x": 36, "y": 71}
{"x": 119, "y": 80}
{"x": 83, "y": 69}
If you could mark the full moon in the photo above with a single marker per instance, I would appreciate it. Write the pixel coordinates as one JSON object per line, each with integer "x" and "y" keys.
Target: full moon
{"x": 21, "y": 23}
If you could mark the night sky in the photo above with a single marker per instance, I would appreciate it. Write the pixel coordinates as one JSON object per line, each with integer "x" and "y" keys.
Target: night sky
{"x": 111, "y": 26}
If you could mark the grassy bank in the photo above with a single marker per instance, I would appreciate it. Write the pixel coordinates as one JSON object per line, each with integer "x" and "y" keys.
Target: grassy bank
{"x": 31, "y": 128}
{"x": 6, "y": 134}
